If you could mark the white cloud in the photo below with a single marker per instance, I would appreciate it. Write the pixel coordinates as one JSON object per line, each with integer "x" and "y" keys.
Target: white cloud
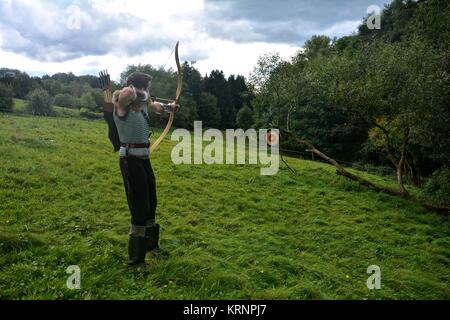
{"x": 224, "y": 35}
{"x": 342, "y": 28}
{"x": 239, "y": 58}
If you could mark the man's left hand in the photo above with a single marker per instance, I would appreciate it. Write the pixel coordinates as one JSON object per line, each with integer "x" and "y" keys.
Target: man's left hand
{"x": 175, "y": 107}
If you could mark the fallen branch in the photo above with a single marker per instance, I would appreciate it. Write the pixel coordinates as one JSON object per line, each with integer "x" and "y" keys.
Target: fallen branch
{"x": 340, "y": 170}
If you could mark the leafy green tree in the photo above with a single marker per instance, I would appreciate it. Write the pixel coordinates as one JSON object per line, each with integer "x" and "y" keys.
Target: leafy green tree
{"x": 265, "y": 67}
{"x": 437, "y": 187}
{"x": 187, "y": 114}
{"x": 192, "y": 81}
{"x": 208, "y": 111}
{"x": 317, "y": 46}
{"x": 269, "y": 79}
{"x": 53, "y": 87}
{"x": 217, "y": 85}
{"x": 396, "y": 22}
{"x": 87, "y": 101}
{"x": 244, "y": 118}
{"x": 98, "y": 98}
{"x": 20, "y": 82}
{"x": 431, "y": 23}
{"x": 240, "y": 93}
{"x": 6, "y": 98}
{"x": 64, "y": 100}
{"x": 39, "y": 102}
{"x": 396, "y": 89}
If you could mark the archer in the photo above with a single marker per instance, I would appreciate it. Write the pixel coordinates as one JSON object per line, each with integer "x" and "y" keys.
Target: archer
{"x": 127, "y": 114}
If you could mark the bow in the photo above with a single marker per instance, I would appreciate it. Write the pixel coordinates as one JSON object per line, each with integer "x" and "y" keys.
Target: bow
{"x": 155, "y": 145}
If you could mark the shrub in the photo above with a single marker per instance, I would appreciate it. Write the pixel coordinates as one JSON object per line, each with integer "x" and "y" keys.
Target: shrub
{"x": 39, "y": 102}
{"x": 64, "y": 100}
{"x": 86, "y": 113}
{"x": 437, "y": 188}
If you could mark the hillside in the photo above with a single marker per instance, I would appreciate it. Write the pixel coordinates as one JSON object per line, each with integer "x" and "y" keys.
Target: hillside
{"x": 227, "y": 232}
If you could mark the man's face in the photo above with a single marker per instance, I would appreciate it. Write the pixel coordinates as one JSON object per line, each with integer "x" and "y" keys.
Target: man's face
{"x": 144, "y": 94}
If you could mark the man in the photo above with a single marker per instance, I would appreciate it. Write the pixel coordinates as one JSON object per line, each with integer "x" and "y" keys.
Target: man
{"x": 129, "y": 108}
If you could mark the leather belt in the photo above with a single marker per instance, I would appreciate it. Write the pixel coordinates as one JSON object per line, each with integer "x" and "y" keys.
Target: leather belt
{"x": 136, "y": 146}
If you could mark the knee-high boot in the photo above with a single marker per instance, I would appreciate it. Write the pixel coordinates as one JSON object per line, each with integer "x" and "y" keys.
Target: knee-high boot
{"x": 137, "y": 247}
{"x": 152, "y": 236}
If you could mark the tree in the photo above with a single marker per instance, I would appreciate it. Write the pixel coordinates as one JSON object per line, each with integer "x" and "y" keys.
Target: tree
{"x": 64, "y": 100}
{"x": 240, "y": 94}
{"x": 39, "y": 102}
{"x": 244, "y": 118}
{"x": 20, "y": 82}
{"x": 266, "y": 65}
{"x": 192, "y": 82}
{"x": 208, "y": 111}
{"x": 437, "y": 187}
{"x": 87, "y": 101}
{"x": 187, "y": 114}
{"x": 217, "y": 85}
{"x": 6, "y": 98}
{"x": 317, "y": 46}
{"x": 269, "y": 82}
{"x": 400, "y": 91}
{"x": 98, "y": 98}
{"x": 53, "y": 87}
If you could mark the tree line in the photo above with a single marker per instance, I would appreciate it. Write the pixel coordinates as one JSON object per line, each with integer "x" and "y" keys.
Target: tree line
{"x": 215, "y": 99}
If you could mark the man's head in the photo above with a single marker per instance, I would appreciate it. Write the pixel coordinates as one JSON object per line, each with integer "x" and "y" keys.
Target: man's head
{"x": 136, "y": 91}
{"x": 139, "y": 80}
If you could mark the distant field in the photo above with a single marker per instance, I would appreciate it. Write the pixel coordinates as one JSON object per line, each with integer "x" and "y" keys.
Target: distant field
{"x": 227, "y": 232}
{"x": 20, "y": 107}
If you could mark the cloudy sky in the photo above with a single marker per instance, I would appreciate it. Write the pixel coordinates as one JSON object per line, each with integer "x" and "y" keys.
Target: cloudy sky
{"x": 85, "y": 36}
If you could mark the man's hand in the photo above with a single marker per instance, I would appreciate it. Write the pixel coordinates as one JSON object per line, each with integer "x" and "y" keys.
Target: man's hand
{"x": 171, "y": 107}
{"x": 161, "y": 108}
{"x": 105, "y": 83}
{"x": 105, "y": 80}
{"x": 175, "y": 107}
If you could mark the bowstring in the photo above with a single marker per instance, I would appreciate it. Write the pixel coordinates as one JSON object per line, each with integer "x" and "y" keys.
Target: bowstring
{"x": 168, "y": 59}
{"x": 164, "y": 68}
{"x": 173, "y": 50}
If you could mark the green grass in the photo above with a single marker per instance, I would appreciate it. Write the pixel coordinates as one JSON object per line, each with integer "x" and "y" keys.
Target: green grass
{"x": 227, "y": 232}
{"x": 19, "y": 106}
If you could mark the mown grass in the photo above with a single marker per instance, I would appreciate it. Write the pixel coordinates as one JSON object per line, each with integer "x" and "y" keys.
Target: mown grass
{"x": 227, "y": 231}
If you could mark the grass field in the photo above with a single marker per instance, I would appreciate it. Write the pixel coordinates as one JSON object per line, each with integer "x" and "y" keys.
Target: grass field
{"x": 227, "y": 232}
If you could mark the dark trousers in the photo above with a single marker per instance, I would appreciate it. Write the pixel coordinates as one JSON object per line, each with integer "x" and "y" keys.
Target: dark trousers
{"x": 140, "y": 188}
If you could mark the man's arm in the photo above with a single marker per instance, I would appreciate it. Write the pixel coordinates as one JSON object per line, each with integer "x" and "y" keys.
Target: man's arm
{"x": 161, "y": 108}
{"x": 122, "y": 99}
{"x": 105, "y": 82}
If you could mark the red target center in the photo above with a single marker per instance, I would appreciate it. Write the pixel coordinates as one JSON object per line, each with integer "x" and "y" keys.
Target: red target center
{"x": 271, "y": 138}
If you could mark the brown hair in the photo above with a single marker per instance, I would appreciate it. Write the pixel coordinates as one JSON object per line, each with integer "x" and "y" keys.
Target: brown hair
{"x": 139, "y": 80}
